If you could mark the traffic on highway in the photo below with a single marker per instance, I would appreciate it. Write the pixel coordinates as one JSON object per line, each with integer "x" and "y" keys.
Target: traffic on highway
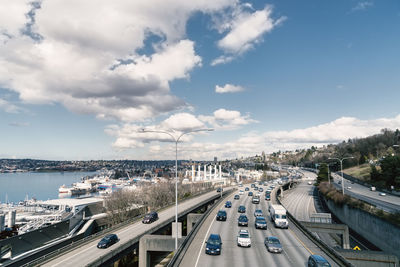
{"x": 253, "y": 234}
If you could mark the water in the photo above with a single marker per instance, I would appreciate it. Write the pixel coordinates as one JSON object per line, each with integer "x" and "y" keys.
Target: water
{"x": 42, "y": 186}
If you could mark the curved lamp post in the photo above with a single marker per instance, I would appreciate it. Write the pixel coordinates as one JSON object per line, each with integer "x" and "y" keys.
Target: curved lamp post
{"x": 341, "y": 168}
{"x": 176, "y": 140}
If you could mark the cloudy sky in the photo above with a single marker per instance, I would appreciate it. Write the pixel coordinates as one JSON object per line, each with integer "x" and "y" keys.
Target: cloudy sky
{"x": 80, "y": 79}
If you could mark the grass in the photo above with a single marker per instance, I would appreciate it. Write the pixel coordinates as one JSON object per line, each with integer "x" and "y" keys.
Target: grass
{"x": 361, "y": 172}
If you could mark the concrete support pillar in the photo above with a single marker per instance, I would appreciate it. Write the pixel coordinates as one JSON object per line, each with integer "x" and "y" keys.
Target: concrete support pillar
{"x": 215, "y": 172}
{"x": 179, "y": 230}
{"x": 2, "y": 222}
{"x": 193, "y": 171}
{"x": 150, "y": 243}
{"x": 198, "y": 173}
{"x": 11, "y": 218}
{"x": 220, "y": 172}
{"x": 210, "y": 169}
{"x": 346, "y": 239}
{"x": 205, "y": 172}
{"x": 192, "y": 219}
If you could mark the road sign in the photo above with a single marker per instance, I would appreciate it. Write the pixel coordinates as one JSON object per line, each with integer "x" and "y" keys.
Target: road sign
{"x": 356, "y": 248}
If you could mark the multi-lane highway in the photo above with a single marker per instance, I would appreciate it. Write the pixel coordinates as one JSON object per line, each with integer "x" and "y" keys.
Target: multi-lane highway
{"x": 388, "y": 203}
{"x": 88, "y": 253}
{"x": 296, "y": 247}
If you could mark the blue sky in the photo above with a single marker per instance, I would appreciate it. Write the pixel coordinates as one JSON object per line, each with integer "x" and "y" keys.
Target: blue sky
{"x": 305, "y": 73}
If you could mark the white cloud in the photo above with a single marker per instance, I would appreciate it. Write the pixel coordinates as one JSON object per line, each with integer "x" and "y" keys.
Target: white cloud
{"x": 246, "y": 28}
{"x": 131, "y": 136}
{"x": 89, "y": 58}
{"x": 9, "y": 107}
{"x": 254, "y": 143}
{"x": 363, "y": 5}
{"x": 228, "y": 88}
{"x": 223, "y": 119}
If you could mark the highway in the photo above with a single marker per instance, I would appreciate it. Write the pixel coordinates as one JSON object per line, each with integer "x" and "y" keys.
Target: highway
{"x": 88, "y": 253}
{"x": 388, "y": 203}
{"x": 297, "y": 248}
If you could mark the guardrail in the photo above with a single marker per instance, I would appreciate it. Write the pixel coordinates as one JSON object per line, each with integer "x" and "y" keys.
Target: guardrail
{"x": 180, "y": 253}
{"x": 65, "y": 246}
{"x": 339, "y": 259}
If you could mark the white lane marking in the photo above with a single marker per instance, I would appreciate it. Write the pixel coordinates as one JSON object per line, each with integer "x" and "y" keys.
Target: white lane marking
{"x": 205, "y": 237}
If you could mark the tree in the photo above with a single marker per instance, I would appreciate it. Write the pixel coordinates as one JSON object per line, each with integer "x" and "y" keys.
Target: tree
{"x": 390, "y": 167}
{"x": 323, "y": 173}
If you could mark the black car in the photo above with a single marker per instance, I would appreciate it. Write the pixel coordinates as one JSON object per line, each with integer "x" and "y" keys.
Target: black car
{"x": 150, "y": 217}
{"x": 221, "y": 215}
{"x": 236, "y": 197}
{"x": 228, "y": 204}
{"x": 107, "y": 241}
{"x": 214, "y": 245}
{"x": 243, "y": 220}
{"x": 219, "y": 190}
{"x": 242, "y": 209}
{"x": 268, "y": 197}
{"x": 260, "y": 223}
{"x": 250, "y": 194}
{"x": 317, "y": 261}
{"x": 246, "y": 189}
{"x": 260, "y": 189}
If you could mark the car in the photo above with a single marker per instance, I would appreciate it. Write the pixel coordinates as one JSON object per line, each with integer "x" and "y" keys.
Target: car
{"x": 236, "y": 197}
{"x": 258, "y": 213}
{"x": 382, "y": 194}
{"x": 241, "y": 192}
{"x": 240, "y": 185}
{"x": 242, "y": 209}
{"x": 252, "y": 185}
{"x": 256, "y": 188}
{"x": 250, "y": 194}
{"x": 340, "y": 182}
{"x": 219, "y": 190}
{"x": 260, "y": 223}
{"x": 260, "y": 189}
{"x": 246, "y": 189}
{"x": 272, "y": 186}
{"x": 221, "y": 215}
{"x": 273, "y": 244}
{"x": 256, "y": 200}
{"x": 150, "y": 217}
{"x": 309, "y": 183}
{"x": 214, "y": 244}
{"x": 243, "y": 220}
{"x": 228, "y": 204}
{"x": 268, "y": 197}
{"x": 243, "y": 239}
{"x": 317, "y": 261}
{"x": 349, "y": 188}
{"x": 107, "y": 241}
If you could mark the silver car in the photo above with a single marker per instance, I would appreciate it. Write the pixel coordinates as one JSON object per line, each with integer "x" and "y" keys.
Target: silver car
{"x": 273, "y": 244}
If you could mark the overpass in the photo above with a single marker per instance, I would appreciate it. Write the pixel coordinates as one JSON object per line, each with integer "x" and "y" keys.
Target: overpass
{"x": 86, "y": 253}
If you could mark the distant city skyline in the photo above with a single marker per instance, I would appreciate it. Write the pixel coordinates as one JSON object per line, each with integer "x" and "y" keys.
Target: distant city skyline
{"x": 78, "y": 80}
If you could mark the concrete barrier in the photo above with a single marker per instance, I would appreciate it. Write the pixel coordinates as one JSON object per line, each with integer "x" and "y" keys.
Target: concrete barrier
{"x": 381, "y": 233}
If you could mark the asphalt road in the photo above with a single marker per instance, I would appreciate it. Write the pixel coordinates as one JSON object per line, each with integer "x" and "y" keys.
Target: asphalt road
{"x": 87, "y": 253}
{"x": 388, "y": 203}
{"x": 297, "y": 248}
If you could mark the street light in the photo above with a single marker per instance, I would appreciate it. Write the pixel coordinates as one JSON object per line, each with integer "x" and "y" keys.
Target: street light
{"x": 176, "y": 140}
{"x": 341, "y": 168}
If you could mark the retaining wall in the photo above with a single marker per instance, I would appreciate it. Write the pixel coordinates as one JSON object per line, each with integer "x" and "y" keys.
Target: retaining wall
{"x": 382, "y": 234}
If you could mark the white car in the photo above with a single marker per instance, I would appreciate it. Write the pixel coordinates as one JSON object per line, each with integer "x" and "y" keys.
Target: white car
{"x": 243, "y": 239}
{"x": 349, "y": 187}
{"x": 241, "y": 192}
{"x": 382, "y": 194}
{"x": 309, "y": 182}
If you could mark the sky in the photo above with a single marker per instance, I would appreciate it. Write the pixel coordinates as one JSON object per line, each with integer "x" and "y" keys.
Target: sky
{"x": 79, "y": 80}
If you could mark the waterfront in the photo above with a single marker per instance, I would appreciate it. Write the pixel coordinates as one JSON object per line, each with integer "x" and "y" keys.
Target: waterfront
{"x": 40, "y": 185}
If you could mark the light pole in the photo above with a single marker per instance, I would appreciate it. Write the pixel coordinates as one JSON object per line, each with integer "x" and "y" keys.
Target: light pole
{"x": 341, "y": 168}
{"x": 176, "y": 140}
